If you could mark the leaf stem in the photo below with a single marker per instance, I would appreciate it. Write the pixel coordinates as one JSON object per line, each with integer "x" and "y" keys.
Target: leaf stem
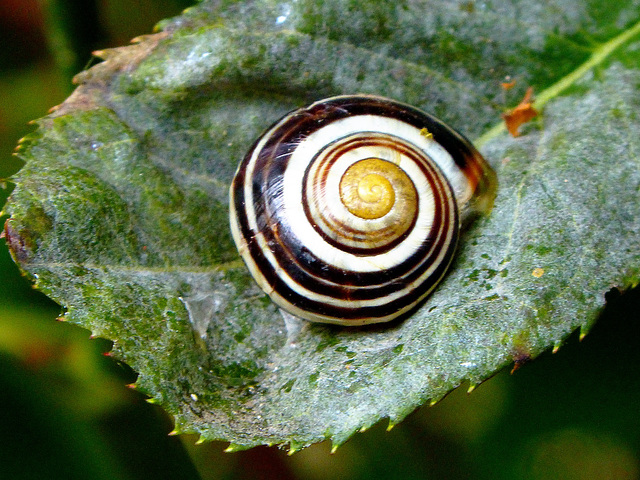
{"x": 599, "y": 55}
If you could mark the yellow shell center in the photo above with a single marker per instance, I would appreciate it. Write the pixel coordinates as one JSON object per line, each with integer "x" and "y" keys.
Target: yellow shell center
{"x": 369, "y": 187}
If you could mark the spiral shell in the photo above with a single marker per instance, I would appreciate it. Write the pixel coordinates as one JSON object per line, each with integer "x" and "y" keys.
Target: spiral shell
{"x": 349, "y": 211}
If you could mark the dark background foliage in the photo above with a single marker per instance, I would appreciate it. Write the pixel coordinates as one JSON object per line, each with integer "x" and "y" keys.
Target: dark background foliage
{"x": 66, "y": 412}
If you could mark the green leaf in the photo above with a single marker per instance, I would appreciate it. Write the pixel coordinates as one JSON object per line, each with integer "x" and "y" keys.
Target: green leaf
{"x": 120, "y": 213}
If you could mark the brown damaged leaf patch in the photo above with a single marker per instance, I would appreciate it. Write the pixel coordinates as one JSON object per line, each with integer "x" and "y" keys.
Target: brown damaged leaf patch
{"x": 523, "y": 113}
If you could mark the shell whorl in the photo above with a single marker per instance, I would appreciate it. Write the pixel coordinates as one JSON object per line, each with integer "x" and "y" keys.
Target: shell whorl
{"x": 348, "y": 211}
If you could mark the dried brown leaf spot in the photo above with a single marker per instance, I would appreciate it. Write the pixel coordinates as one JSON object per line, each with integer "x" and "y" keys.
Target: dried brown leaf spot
{"x": 521, "y": 114}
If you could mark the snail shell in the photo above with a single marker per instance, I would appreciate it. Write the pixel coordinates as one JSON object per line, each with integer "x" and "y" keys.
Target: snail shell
{"x": 349, "y": 211}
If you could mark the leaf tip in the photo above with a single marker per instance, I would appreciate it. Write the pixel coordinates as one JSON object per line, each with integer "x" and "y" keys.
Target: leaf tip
{"x": 583, "y": 333}
{"x": 520, "y": 356}
{"x": 293, "y": 449}
{"x": 103, "y": 54}
{"x": 232, "y": 448}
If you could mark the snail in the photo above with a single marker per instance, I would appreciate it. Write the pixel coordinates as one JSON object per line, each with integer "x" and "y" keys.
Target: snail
{"x": 349, "y": 211}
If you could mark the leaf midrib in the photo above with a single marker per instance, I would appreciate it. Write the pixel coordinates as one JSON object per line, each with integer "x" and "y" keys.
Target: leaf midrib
{"x": 598, "y": 57}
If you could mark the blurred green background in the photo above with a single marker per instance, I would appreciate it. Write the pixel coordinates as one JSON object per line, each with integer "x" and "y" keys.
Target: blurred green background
{"x": 65, "y": 410}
